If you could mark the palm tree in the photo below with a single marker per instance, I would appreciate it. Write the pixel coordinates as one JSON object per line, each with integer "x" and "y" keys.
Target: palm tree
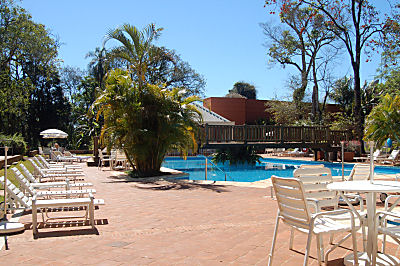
{"x": 98, "y": 64}
{"x": 137, "y": 49}
{"x": 384, "y": 121}
{"x": 146, "y": 122}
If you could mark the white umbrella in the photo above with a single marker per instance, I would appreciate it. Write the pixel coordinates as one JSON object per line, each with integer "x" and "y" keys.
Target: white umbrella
{"x": 53, "y": 134}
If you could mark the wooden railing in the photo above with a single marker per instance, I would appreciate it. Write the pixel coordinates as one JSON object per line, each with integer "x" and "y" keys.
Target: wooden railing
{"x": 273, "y": 134}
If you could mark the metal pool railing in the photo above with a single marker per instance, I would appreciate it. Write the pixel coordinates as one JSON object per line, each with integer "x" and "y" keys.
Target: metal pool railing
{"x": 207, "y": 163}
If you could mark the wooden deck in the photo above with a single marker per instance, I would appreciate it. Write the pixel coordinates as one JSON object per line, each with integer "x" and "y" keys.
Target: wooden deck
{"x": 265, "y": 136}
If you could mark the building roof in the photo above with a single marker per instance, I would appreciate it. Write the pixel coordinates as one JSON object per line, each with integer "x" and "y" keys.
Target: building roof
{"x": 212, "y": 118}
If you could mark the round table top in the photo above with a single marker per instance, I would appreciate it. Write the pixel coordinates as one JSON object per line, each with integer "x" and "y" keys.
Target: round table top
{"x": 366, "y": 186}
{"x": 10, "y": 227}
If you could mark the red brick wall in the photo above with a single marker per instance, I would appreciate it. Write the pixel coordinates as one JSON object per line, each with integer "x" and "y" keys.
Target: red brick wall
{"x": 255, "y": 110}
{"x": 245, "y": 111}
{"x": 232, "y": 109}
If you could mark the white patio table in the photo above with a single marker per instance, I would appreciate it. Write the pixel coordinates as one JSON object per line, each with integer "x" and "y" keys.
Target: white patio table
{"x": 369, "y": 189}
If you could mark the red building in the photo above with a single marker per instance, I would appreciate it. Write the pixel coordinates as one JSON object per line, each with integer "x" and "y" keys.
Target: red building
{"x": 245, "y": 111}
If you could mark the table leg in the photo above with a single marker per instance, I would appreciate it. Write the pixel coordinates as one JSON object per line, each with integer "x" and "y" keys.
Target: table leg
{"x": 371, "y": 238}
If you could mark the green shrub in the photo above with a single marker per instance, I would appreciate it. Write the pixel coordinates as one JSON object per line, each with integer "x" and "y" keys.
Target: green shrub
{"x": 16, "y": 142}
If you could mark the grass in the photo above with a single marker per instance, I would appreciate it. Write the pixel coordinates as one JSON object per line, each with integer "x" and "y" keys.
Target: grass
{"x": 11, "y": 176}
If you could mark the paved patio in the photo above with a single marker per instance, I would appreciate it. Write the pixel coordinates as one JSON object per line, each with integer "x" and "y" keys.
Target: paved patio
{"x": 168, "y": 223}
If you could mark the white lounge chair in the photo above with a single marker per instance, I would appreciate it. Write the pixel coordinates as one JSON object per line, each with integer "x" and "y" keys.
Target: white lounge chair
{"x": 293, "y": 210}
{"x": 46, "y": 164}
{"x": 359, "y": 172}
{"x": 31, "y": 191}
{"x": 19, "y": 200}
{"x": 391, "y": 159}
{"x": 56, "y": 168}
{"x": 54, "y": 176}
{"x": 47, "y": 185}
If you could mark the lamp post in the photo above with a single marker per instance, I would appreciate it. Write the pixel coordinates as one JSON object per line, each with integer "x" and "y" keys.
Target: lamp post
{"x": 7, "y": 227}
{"x": 371, "y": 161}
{"x": 342, "y": 160}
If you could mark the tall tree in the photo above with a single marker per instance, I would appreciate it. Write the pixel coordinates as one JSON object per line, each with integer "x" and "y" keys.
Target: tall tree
{"x": 245, "y": 89}
{"x": 298, "y": 44}
{"x": 152, "y": 64}
{"x": 359, "y": 25}
{"x": 99, "y": 64}
{"x": 30, "y": 83}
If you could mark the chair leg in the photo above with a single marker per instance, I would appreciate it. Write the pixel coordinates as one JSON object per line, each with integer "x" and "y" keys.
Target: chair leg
{"x": 364, "y": 236}
{"x": 271, "y": 254}
{"x": 355, "y": 252}
{"x": 291, "y": 238}
{"x": 319, "y": 248}
{"x": 307, "y": 253}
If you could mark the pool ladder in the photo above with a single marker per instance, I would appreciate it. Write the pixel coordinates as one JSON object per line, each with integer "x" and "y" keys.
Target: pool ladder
{"x": 206, "y": 167}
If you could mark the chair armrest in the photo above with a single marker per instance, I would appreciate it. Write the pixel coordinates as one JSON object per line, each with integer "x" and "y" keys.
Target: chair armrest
{"x": 314, "y": 202}
{"x": 385, "y": 213}
{"x": 332, "y": 213}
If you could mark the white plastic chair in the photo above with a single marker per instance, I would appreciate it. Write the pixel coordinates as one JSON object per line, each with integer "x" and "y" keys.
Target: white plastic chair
{"x": 293, "y": 210}
{"x": 103, "y": 159}
{"x": 393, "y": 229}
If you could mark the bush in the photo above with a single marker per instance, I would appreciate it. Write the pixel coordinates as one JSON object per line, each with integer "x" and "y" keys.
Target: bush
{"x": 16, "y": 142}
{"x": 237, "y": 155}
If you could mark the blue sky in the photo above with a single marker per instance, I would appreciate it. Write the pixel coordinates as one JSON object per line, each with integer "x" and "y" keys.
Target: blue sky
{"x": 220, "y": 39}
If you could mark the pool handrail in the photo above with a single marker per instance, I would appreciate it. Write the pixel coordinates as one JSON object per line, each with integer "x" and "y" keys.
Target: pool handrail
{"x": 206, "y": 172}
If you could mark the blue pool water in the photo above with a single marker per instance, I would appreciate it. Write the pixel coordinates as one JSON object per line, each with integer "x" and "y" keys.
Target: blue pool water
{"x": 195, "y": 167}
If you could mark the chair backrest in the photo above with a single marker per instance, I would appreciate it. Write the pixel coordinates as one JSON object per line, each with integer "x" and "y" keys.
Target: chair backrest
{"x": 53, "y": 156}
{"x": 68, "y": 154}
{"x": 120, "y": 154}
{"x": 16, "y": 194}
{"x": 315, "y": 181}
{"x": 24, "y": 183}
{"x": 44, "y": 162}
{"x": 39, "y": 163}
{"x": 40, "y": 150}
{"x": 38, "y": 170}
{"x": 394, "y": 154}
{"x": 312, "y": 166}
{"x": 292, "y": 204}
{"x": 27, "y": 174}
{"x": 360, "y": 172}
{"x": 101, "y": 156}
{"x": 376, "y": 154}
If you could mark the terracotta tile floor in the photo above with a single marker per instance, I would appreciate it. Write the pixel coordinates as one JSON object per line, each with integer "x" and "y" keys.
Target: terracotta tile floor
{"x": 168, "y": 223}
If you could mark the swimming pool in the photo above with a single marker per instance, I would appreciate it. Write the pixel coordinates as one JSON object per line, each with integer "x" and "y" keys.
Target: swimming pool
{"x": 195, "y": 167}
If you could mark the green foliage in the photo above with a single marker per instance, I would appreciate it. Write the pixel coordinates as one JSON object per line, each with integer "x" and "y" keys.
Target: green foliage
{"x": 245, "y": 89}
{"x": 343, "y": 94}
{"x": 286, "y": 113}
{"x": 32, "y": 97}
{"x": 237, "y": 155}
{"x": 299, "y": 42}
{"x": 146, "y": 121}
{"x": 384, "y": 121}
{"x": 16, "y": 142}
{"x": 149, "y": 63}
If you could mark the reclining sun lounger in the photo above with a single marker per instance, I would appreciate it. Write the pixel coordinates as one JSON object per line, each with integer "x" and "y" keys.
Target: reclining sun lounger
{"x": 31, "y": 191}
{"x": 18, "y": 200}
{"x": 56, "y": 168}
{"x": 41, "y": 174}
{"x": 49, "y": 165}
{"x": 46, "y": 185}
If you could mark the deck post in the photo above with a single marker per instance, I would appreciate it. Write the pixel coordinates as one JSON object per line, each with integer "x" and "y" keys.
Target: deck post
{"x": 245, "y": 133}
{"x": 281, "y": 133}
{"x": 206, "y": 129}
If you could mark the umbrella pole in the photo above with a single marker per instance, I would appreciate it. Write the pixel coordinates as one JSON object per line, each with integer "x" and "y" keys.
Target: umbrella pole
{"x": 371, "y": 161}
{"x": 5, "y": 183}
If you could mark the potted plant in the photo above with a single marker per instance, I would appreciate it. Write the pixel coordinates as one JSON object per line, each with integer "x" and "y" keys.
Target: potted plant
{"x": 350, "y": 148}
